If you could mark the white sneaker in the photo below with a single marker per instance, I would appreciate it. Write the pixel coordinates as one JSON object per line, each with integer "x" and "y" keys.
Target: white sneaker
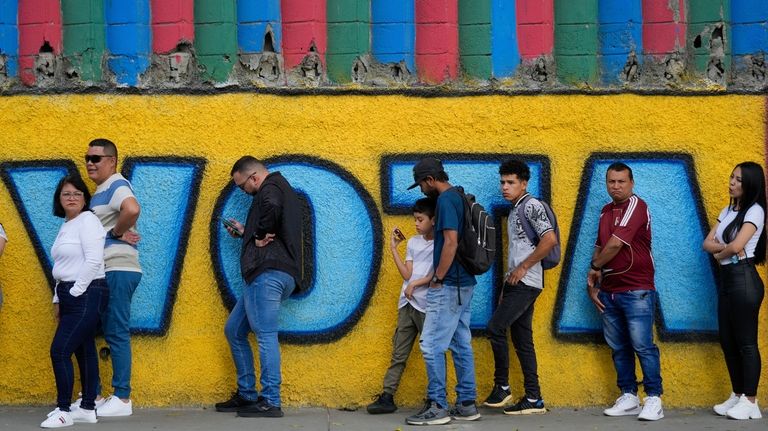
{"x": 57, "y": 419}
{"x": 744, "y": 409}
{"x": 652, "y": 410}
{"x": 114, "y": 406}
{"x": 83, "y": 416}
{"x": 723, "y": 407}
{"x": 625, "y": 405}
{"x": 76, "y": 404}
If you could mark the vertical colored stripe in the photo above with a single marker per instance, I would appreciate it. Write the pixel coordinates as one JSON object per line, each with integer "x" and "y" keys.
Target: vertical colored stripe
{"x": 620, "y": 35}
{"x": 257, "y": 20}
{"x": 505, "y": 51}
{"x": 9, "y": 36}
{"x": 535, "y": 28}
{"x": 304, "y": 28}
{"x": 664, "y": 27}
{"x": 128, "y": 39}
{"x": 392, "y": 31}
{"x": 172, "y": 24}
{"x": 749, "y": 28}
{"x": 708, "y": 33}
{"x": 84, "y": 37}
{"x": 39, "y": 31}
{"x": 437, "y": 40}
{"x": 348, "y": 36}
{"x": 215, "y": 38}
{"x": 576, "y": 43}
{"x": 475, "y": 38}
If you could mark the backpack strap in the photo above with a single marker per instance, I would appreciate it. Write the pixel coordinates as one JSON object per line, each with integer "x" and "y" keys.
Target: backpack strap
{"x": 524, "y": 222}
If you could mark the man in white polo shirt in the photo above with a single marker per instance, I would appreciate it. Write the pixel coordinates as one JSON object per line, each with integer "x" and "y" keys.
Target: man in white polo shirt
{"x": 116, "y": 206}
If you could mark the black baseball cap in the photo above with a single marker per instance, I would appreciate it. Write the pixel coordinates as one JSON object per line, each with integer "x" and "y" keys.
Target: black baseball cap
{"x": 428, "y": 167}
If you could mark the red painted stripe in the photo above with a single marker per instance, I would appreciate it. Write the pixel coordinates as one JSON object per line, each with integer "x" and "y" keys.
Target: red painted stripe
{"x": 437, "y": 40}
{"x": 304, "y": 24}
{"x": 535, "y": 28}
{"x": 39, "y": 22}
{"x": 173, "y": 22}
{"x": 663, "y": 28}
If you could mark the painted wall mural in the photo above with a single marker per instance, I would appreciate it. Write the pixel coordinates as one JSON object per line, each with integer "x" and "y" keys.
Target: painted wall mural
{"x": 350, "y": 158}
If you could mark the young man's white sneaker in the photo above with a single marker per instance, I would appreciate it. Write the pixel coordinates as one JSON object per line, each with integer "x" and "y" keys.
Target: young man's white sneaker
{"x": 99, "y": 401}
{"x": 723, "y": 407}
{"x": 627, "y": 404}
{"x": 114, "y": 406}
{"x": 83, "y": 416}
{"x": 744, "y": 409}
{"x": 652, "y": 409}
{"x": 57, "y": 419}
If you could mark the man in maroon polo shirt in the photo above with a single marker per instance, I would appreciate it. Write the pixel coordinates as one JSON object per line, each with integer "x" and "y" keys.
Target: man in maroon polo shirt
{"x": 620, "y": 284}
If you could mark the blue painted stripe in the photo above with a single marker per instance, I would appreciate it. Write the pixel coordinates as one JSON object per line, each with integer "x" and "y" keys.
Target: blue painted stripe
{"x": 9, "y": 36}
{"x": 619, "y": 33}
{"x": 749, "y": 30}
{"x": 253, "y": 19}
{"x": 393, "y": 34}
{"x": 128, "y": 39}
{"x": 505, "y": 53}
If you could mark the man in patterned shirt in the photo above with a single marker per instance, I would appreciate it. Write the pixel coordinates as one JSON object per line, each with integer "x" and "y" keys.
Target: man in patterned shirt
{"x": 523, "y": 283}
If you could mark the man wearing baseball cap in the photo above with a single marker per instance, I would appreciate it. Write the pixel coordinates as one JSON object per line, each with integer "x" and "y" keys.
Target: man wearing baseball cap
{"x": 448, "y": 305}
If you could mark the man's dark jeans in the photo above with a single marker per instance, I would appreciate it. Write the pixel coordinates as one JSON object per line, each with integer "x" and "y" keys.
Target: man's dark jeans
{"x": 515, "y": 312}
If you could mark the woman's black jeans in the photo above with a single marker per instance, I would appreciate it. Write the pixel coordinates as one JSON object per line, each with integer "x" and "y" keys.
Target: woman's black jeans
{"x": 739, "y": 299}
{"x": 79, "y": 318}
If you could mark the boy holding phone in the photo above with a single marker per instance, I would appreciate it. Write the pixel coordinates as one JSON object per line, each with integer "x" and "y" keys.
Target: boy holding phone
{"x": 416, "y": 271}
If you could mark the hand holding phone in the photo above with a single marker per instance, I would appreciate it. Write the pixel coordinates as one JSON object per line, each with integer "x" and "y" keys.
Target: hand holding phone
{"x": 399, "y": 234}
{"x": 233, "y": 229}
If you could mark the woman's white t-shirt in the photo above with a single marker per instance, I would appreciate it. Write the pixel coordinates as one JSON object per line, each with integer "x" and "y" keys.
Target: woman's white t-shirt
{"x": 755, "y": 215}
{"x": 78, "y": 252}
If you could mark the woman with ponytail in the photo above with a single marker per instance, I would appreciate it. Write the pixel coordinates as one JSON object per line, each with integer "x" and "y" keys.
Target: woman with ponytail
{"x": 737, "y": 241}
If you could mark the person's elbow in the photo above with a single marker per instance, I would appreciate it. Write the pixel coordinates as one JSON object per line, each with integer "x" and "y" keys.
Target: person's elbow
{"x": 131, "y": 209}
{"x": 548, "y": 241}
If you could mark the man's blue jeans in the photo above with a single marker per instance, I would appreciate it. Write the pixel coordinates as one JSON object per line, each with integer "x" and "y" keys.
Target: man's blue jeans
{"x": 446, "y": 326}
{"x": 117, "y": 329}
{"x": 628, "y": 330}
{"x": 257, "y": 310}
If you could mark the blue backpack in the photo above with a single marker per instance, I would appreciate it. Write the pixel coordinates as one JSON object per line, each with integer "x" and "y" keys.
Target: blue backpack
{"x": 552, "y": 259}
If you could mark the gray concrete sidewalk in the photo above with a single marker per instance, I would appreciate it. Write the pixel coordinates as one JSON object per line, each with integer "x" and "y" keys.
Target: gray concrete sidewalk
{"x": 317, "y": 419}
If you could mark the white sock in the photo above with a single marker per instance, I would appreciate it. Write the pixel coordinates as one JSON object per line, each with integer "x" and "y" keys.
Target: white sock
{"x": 506, "y": 388}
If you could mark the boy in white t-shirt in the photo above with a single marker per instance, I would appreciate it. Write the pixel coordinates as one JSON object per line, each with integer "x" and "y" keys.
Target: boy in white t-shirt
{"x": 416, "y": 271}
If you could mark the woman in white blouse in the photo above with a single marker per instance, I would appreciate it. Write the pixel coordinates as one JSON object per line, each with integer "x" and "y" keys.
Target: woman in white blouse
{"x": 80, "y": 298}
{"x": 737, "y": 241}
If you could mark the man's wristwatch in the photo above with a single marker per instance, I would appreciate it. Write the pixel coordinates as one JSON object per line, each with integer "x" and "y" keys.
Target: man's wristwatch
{"x": 112, "y": 234}
{"x": 595, "y": 268}
{"x": 436, "y": 280}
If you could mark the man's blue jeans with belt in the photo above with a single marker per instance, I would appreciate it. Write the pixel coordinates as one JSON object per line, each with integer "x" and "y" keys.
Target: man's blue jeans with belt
{"x": 446, "y": 326}
{"x": 628, "y": 329}
{"x": 258, "y": 310}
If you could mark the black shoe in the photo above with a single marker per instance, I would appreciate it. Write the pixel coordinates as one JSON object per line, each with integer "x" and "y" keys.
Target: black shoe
{"x": 498, "y": 397}
{"x": 385, "y": 403}
{"x": 233, "y": 404}
{"x": 525, "y": 407}
{"x": 260, "y": 409}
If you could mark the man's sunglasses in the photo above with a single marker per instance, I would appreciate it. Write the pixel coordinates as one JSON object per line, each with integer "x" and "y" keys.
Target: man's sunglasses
{"x": 94, "y": 159}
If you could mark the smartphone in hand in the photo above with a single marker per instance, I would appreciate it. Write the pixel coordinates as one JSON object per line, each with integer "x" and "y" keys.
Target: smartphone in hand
{"x": 228, "y": 223}
{"x": 399, "y": 234}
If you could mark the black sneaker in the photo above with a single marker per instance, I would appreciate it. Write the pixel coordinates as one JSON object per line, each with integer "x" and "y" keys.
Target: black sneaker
{"x": 525, "y": 407}
{"x": 385, "y": 403}
{"x": 233, "y": 404}
{"x": 499, "y": 397}
{"x": 260, "y": 409}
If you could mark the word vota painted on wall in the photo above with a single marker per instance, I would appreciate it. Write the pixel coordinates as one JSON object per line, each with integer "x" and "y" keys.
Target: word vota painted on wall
{"x": 343, "y": 241}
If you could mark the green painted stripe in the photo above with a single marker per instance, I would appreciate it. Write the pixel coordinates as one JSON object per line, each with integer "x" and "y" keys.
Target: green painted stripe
{"x": 348, "y": 36}
{"x": 703, "y": 17}
{"x": 475, "y": 38}
{"x": 84, "y": 36}
{"x": 216, "y": 38}
{"x": 576, "y": 42}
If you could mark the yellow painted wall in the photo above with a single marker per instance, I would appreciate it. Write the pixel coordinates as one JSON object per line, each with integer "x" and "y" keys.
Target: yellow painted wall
{"x": 191, "y": 364}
